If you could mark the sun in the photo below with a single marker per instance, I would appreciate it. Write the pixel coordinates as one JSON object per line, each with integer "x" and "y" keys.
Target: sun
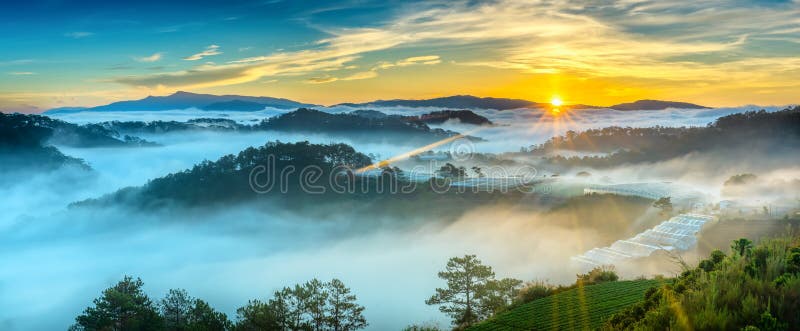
{"x": 556, "y": 101}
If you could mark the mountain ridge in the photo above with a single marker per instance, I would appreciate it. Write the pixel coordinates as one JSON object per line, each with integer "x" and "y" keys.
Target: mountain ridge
{"x": 186, "y": 100}
{"x": 230, "y": 102}
{"x": 470, "y": 101}
{"x": 649, "y": 104}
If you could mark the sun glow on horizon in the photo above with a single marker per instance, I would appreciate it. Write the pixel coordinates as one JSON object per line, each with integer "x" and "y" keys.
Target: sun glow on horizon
{"x": 556, "y": 101}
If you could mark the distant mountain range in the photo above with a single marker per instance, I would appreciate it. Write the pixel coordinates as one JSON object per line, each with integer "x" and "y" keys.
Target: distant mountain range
{"x": 656, "y": 105}
{"x": 186, "y": 100}
{"x": 456, "y": 101}
{"x": 472, "y": 102}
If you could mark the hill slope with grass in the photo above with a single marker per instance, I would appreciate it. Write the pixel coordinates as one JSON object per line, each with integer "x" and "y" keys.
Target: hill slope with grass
{"x": 586, "y": 307}
{"x": 754, "y": 287}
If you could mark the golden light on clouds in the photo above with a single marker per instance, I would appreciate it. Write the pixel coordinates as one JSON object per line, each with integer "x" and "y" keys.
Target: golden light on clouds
{"x": 716, "y": 53}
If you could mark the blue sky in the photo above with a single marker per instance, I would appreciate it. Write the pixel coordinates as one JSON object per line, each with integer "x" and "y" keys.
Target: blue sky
{"x": 60, "y": 53}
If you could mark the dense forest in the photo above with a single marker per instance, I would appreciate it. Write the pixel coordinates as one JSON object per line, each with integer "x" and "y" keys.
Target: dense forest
{"x": 68, "y": 134}
{"x": 24, "y": 145}
{"x": 158, "y": 126}
{"x": 313, "y": 306}
{"x": 358, "y": 122}
{"x": 311, "y": 120}
{"x": 295, "y": 173}
{"x": 463, "y": 116}
{"x": 749, "y": 131}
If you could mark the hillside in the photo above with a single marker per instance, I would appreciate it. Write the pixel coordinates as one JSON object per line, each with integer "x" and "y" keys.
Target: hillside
{"x": 656, "y": 105}
{"x": 736, "y": 133}
{"x": 312, "y": 120}
{"x": 752, "y": 287}
{"x": 463, "y": 116}
{"x": 62, "y": 133}
{"x": 579, "y": 308}
{"x": 23, "y": 146}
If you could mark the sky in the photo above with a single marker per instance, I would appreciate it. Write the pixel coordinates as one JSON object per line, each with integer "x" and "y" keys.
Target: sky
{"x": 715, "y": 53}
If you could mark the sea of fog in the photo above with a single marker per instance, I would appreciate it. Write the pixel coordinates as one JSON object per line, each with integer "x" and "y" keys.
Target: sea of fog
{"x": 54, "y": 261}
{"x": 515, "y": 128}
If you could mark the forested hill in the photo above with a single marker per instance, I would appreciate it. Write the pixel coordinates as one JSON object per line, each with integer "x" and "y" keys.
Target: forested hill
{"x": 23, "y": 146}
{"x": 73, "y": 135}
{"x": 744, "y": 131}
{"x": 314, "y": 121}
{"x": 228, "y": 178}
{"x": 297, "y": 175}
{"x": 655, "y": 105}
{"x": 311, "y": 120}
{"x": 463, "y": 116}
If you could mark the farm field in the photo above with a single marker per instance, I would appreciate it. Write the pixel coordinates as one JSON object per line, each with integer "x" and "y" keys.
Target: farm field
{"x": 582, "y": 308}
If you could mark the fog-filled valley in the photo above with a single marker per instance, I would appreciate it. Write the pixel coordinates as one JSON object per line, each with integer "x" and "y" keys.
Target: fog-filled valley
{"x": 65, "y": 233}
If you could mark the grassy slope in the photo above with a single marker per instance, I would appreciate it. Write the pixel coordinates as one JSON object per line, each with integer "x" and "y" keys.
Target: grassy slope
{"x": 579, "y": 308}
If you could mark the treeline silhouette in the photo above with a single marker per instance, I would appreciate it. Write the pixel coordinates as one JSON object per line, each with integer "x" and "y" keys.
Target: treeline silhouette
{"x": 297, "y": 175}
{"x": 753, "y": 130}
{"x": 69, "y": 134}
{"x": 312, "y": 306}
{"x": 24, "y": 145}
{"x": 313, "y": 121}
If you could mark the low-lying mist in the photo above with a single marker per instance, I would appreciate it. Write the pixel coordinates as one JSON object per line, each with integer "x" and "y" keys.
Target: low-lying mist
{"x": 55, "y": 265}
{"x": 55, "y": 260}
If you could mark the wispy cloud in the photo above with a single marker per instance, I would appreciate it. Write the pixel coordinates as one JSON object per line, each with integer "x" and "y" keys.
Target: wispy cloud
{"x": 426, "y": 59}
{"x": 642, "y": 39}
{"x": 148, "y": 59}
{"x": 362, "y": 75}
{"x": 78, "y": 34}
{"x": 321, "y": 80}
{"x": 209, "y": 51}
{"x": 21, "y": 73}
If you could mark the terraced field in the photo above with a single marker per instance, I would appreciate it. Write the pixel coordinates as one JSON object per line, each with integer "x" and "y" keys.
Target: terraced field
{"x": 576, "y": 309}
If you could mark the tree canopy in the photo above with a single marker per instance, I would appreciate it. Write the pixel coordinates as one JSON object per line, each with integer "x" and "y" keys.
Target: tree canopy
{"x": 472, "y": 293}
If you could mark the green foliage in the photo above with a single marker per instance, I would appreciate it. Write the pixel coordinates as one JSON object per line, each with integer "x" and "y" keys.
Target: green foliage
{"x": 580, "y": 307}
{"x": 499, "y": 295}
{"x": 423, "y": 327}
{"x": 202, "y": 317}
{"x": 741, "y": 246}
{"x": 313, "y": 305}
{"x": 472, "y": 292}
{"x": 124, "y": 306}
{"x": 451, "y": 171}
{"x": 533, "y": 291}
{"x": 257, "y": 315}
{"x": 598, "y": 275}
{"x": 755, "y": 288}
{"x": 175, "y": 309}
{"x": 229, "y": 178}
{"x": 182, "y": 312}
